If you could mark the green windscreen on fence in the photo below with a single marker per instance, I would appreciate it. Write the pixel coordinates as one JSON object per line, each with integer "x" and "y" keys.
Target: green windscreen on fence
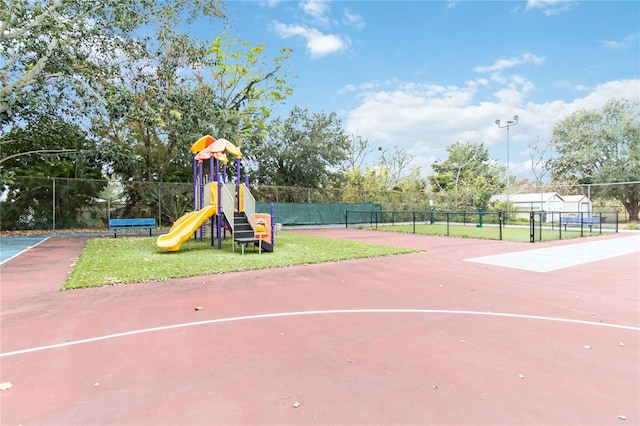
{"x": 313, "y": 213}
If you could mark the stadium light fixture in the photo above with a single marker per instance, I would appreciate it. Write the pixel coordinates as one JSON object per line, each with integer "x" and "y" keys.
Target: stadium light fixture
{"x": 510, "y": 123}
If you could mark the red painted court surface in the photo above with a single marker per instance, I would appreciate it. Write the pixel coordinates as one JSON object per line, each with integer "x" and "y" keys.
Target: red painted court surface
{"x": 422, "y": 339}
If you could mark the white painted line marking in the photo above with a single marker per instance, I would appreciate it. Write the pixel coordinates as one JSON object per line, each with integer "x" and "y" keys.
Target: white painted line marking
{"x": 553, "y": 258}
{"x": 26, "y": 249}
{"x": 329, "y": 312}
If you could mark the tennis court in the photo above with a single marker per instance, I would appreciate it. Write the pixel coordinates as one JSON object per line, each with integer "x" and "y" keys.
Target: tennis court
{"x": 435, "y": 337}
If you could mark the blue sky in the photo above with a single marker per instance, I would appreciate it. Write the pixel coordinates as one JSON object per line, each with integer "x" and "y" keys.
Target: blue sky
{"x": 421, "y": 75}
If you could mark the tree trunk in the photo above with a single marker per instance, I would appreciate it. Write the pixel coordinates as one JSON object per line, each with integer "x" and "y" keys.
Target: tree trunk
{"x": 633, "y": 209}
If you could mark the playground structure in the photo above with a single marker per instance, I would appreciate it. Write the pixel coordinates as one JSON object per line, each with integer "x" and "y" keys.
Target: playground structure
{"x": 228, "y": 205}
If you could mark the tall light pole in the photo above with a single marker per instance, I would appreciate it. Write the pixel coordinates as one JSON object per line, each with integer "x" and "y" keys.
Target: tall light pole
{"x": 510, "y": 123}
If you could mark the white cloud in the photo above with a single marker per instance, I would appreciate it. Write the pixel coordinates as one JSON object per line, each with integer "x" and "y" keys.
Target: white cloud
{"x": 502, "y": 64}
{"x": 425, "y": 119}
{"x": 611, "y": 44}
{"x": 269, "y": 3}
{"x": 352, "y": 19}
{"x": 346, "y": 89}
{"x": 318, "y": 44}
{"x": 551, "y": 7}
{"x": 315, "y": 8}
{"x": 620, "y": 44}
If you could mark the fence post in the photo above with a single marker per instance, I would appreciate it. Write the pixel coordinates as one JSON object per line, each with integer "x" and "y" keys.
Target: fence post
{"x": 560, "y": 225}
{"x": 108, "y": 201}
{"x": 600, "y": 221}
{"x": 500, "y": 223}
{"x": 160, "y": 206}
{"x": 532, "y": 228}
{"x": 541, "y": 216}
{"x": 53, "y": 201}
{"x": 346, "y": 218}
{"x": 447, "y": 224}
{"x": 616, "y": 221}
{"x": 414, "y": 222}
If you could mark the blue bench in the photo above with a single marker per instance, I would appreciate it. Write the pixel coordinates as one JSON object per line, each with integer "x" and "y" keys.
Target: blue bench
{"x": 128, "y": 224}
{"x": 578, "y": 221}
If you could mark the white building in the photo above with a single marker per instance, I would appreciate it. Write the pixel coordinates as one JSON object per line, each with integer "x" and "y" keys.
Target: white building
{"x": 550, "y": 202}
{"x": 576, "y": 204}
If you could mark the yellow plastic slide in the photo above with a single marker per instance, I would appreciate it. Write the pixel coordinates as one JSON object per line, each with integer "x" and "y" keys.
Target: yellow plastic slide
{"x": 184, "y": 227}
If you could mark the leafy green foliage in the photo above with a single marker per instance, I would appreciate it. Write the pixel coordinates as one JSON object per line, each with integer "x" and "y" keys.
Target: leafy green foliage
{"x": 47, "y": 147}
{"x": 468, "y": 176}
{"x": 155, "y": 116}
{"x": 59, "y": 52}
{"x": 304, "y": 150}
{"x": 601, "y": 147}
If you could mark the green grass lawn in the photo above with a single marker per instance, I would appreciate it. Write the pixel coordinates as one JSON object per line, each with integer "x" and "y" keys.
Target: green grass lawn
{"x": 111, "y": 261}
{"x": 486, "y": 232}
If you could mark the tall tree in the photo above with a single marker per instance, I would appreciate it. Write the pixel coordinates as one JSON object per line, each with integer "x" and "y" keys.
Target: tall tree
{"x": 63, "y": 48}
{"x": 397, "y": 162}
{"x": 246, "y": 83}
{"x": 467, "y": 177}
{"x": 540, "y": 153}
{"x": 359, "y": 153}
{"x": 44, "y": 149}
{"x": 304, "y": 150}
{"x": 603, "y": 148}
{"x": 158, "y": 112}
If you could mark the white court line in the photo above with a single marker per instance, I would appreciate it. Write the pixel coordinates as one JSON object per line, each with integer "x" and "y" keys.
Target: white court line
{"x": 553, "y": 258}
{"x": 329, "y": 312}
{"x": 26, "y": 249}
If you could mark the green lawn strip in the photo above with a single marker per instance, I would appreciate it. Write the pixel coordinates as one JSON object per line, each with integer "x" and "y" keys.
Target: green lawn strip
{"x": 486, "y": 232}
{"x": 111, "y": 261}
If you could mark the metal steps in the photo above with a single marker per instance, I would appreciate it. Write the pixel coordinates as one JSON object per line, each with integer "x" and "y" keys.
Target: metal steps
{"x": 243, "y": 233}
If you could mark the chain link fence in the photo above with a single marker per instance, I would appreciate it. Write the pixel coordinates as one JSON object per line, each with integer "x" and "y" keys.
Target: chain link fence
{"x": 46, "y": 203}
{"x": 541, "y": 226}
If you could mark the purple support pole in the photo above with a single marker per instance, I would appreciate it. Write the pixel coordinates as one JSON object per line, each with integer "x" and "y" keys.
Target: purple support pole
{"x": 213, "y": 218}
{"x": 238, "y": 182}
{"x": 195, "y": 182}
{"x": 201, "y": 187}
{"x": 201, "y": 196}
{"x": 219, "y": 224}
{"x": 238, "y": 171}
{"x": 211, "y": 182}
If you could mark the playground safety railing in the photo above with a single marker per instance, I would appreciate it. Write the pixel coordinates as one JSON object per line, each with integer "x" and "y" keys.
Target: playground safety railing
{"x": 228, "y": 202}
{"x": 249, "y": 205}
